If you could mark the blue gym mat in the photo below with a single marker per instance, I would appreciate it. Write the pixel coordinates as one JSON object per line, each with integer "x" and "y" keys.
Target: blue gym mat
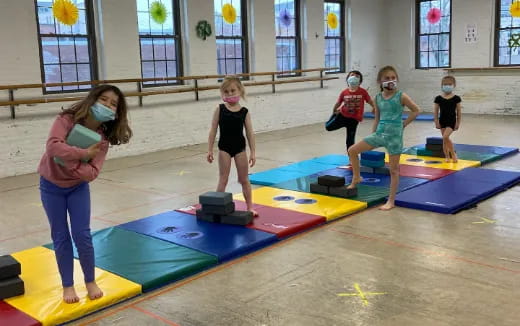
{"x": 457, "y": 191}
{"x": 420, "y": 117}
{"x": 371, "y": 179}
{"x": 498, "y": 150}
{"x": 298, "y": 169}
{"x": 483, "y": 154}
{"x": 221, "y": 240}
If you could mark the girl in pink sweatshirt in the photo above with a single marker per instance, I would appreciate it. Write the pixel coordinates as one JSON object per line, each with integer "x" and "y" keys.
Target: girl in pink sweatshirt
{"x": 65, "y": 187}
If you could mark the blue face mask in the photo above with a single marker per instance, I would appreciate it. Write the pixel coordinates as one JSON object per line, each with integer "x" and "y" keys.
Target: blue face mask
{"x": 447, "y": 88}
{"x": 101, "y": 113}
{"x": 353, "y": 81}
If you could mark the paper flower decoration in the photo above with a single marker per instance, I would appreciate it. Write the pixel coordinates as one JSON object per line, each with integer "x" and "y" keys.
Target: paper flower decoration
{"x": 158, "y": 12}
{"x": 203, "y": 29}
{"x": 65, "y": 12}
{"x": 229, "y": 13}
{"x": 332, "y": 20}
{"x": 434, "y": 15}
{"x": 285, "y": 18}
{"x": 514, "y": 41}
{"x": 514, "y": 9}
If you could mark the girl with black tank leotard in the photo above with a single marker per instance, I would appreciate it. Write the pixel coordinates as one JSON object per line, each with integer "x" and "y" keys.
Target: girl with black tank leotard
{"x": 231, "y": 119}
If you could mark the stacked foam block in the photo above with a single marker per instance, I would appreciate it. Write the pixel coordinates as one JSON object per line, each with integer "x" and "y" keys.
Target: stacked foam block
{"x": 218, "y": 207}
{"x": 11, "y": 284}
{"x": 332, "y": 185}
{"x": 433, "y": 148}
{"x": 373, "y": 162}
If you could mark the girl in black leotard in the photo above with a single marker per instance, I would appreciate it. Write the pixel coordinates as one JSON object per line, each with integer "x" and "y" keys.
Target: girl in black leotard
{"x": 231, "y": 118}
{"x": 448, "y": 119}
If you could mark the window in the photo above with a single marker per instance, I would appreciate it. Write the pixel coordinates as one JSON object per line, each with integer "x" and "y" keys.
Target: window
{"x": 507, "y": 35}
{"x": 334, "y": 35}
{"x": 433, "y": 34}
{"x": 160, "y": 42}
{"x": 287, "y": 24}
{"x": 231, "y": 35}
{"x": 67, "y": 53}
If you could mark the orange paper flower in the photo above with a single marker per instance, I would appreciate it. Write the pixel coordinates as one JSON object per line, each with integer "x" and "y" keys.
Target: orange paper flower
{"x": 514, "y": 9}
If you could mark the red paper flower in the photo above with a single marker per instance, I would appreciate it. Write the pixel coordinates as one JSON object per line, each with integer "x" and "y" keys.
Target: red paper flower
{"x": 434, "y": 15}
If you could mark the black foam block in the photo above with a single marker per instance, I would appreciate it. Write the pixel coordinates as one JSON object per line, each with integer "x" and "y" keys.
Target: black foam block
{"x": 343, "y": 192}
{"x": 9, "y": 267}
{"x": 216, "y": 198}
{"x": 331, "y": 181}
{"x": 11, "y": 287}
{"x": 213, "y": 218}
{"x": 237, "y": 218}
{"x": 319, "y": 189}
{"x": 219, "y": 209}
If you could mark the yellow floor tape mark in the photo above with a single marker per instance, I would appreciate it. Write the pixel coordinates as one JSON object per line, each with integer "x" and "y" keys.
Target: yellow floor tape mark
{"x": 37, "y": 204}
{"x": 485, "y": 221}
{"x": 182, "y": 172}
{"x": 361, "y": 294}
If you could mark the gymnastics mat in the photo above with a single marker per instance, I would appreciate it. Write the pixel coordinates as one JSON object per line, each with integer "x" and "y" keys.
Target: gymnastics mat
{"x": 457, "y": 191}
{"x": 220, "y": 240}
{"x": 281, "y": 222}
{"x": 43, "y": 298}
{"x": 298, "y": 169}
{"x": 420, "y": 117}
{"x": 369, "y": 179}
{"x": 9, "y": 315}
{"x": 483, "y": 158}
{"x": 372, "y": 195}
{"x": 498, "y": 150}
{"x": 435, "y": 162}
{"x": 145, "y": 260}
{"x": 423, "y": 172}
{"x": 329, "y": 207}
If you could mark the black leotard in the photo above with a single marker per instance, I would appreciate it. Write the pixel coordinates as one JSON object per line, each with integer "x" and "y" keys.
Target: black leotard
{"x": 231, "y": 125}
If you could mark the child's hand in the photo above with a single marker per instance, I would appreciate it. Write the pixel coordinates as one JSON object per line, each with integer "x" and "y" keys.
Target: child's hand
{"x": 437, "y": 125}
{"x": 252, "y": 160}
{"x": 337, "y": 110}
{"x": 456, "y": 127}
{"x": 93, "y": 150}
{"x": 209, "y": 157}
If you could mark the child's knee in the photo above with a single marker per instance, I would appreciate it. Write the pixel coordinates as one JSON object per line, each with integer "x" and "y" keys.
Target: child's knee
{"x": 244, "y": 181}
{"x": 394, "y": 171}
{"x": 82, "y": 239}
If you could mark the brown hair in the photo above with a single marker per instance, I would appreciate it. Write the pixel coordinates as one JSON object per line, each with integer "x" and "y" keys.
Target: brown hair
{"x": 385, "y": 69}
{"x": 228, "y": 80}
{"x": 451, "y": 78}
{"x": 116, "y": 131}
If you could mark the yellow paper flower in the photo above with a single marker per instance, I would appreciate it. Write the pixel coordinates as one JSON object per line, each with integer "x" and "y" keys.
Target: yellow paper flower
{"x": 332, "y": 20}
{"x": 229, "y": 13}
{"x": 65, "y": 12}
{"x": 514, "y": 9}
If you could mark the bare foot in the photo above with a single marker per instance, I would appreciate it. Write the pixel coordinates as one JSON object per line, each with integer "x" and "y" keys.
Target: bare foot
{"x": 94, "y": 292}
{"x": 354, "y": 183}
{"x": 447, "y": 160}
{"x": 69, "y": 295}
{"x": 255, "y": 213}
{"x": 454, "y": 158}
{"x": 386, "y": 207}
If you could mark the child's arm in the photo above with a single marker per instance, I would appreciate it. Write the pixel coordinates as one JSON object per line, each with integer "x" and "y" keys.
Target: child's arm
{"x": 56, "y": 143}
{"x": 250, "y": 140}
{"x": 436, "y": 115}
{"x": 376, "y": 117}
{"x": 335, "y": 108}
{"x": 212, "y": 134}
{"x": 90, "y": 170}
{"x": 414, "y": 109}
{"x": 372, "y": 104}
{"x": 459, "y": 115}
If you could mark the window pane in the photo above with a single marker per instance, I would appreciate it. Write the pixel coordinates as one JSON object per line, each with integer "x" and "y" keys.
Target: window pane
{"x": 159, "y": 49}
{"x": 287, "y": 34}
{"x": 229, "y": 30}
{"x": 50, "y": 50}
{"x": 434, "y": 33}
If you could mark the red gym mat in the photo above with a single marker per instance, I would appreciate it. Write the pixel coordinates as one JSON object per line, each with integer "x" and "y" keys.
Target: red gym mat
{"x": 423, "y": 172}
{"x": 9, "y": 315}
{"x": 278, "y": 221}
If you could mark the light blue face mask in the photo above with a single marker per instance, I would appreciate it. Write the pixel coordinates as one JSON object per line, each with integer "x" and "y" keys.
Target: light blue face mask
{"x": 447, "y": 88}
{"x": 353, "y": 81}
{"x": 101, "y": 113}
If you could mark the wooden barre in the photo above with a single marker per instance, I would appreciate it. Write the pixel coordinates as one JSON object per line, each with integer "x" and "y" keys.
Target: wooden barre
{"x": 165, "y": 91}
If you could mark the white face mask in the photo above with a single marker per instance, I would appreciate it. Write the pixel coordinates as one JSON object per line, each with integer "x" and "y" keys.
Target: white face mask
{"x": 389, "y": 84}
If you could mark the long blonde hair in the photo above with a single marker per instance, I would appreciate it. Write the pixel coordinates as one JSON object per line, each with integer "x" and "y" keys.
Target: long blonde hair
{"x": 228, "y": 80}
{"x": 116, "y": 131}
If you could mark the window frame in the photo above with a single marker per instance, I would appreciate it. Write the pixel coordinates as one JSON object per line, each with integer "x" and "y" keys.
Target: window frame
{"x": 418, "y": 37}
{"x": 298, "y": 41}
{"x": 178, "y": 49}
{"x": 244, "y": 38}
{"x": 496, "y": 45}
{"x": 342, "y": 38}
{"x": 91, "y": 40}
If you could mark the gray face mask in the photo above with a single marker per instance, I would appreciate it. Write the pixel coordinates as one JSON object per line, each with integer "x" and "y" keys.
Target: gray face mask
{"x": 101, "y": 113}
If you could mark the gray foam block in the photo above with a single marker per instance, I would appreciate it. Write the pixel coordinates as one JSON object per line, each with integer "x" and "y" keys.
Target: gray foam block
{"x": 237, "y": 218}
{"x": 219, "y": 209}
{"x": 215, "y": 198}
{"x": 9, "y": 267}
{"x": 343, "y": 192}
{"x": 11, "y": 287}
{"x": 319, "y": 189}
{"x": 213, "y": 218}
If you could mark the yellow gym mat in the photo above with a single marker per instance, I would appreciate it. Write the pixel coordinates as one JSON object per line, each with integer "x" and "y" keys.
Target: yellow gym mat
{"x": 329, "y": 207}
{"x": 435, "y": 162}
{"x": 43, "y": 291}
